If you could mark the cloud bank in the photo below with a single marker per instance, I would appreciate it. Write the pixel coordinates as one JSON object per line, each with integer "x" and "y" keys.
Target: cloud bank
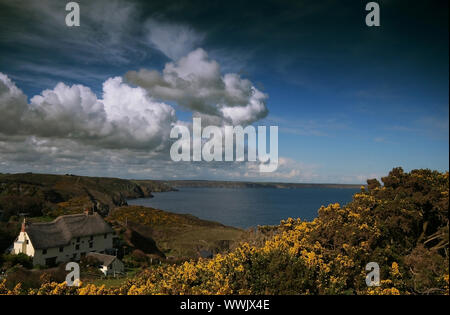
{"x": 125, "y": 131}
{"x": 196, "y": 83}
{"x": 125, "y": 117}
{"x": 132, "y": 117}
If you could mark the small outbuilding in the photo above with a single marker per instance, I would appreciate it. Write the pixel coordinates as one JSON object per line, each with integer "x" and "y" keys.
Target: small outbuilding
{"x": 203, "y": 253}
{"x": 108, "y": 264}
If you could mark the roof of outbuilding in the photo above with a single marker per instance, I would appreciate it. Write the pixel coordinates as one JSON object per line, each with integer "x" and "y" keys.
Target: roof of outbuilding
{"x": 104, "y": 259}
{"x": 64, "y": 228}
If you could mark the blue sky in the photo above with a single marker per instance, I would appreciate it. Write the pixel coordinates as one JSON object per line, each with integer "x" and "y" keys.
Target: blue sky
{"x": 351, "y": 102}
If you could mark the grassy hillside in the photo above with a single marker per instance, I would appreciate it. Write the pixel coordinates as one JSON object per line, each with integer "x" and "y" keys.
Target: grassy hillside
{"x": 43, "y": 197}
{"x": 176, "y": 235}
{"x": 402, "y": 225}
{"x": 41, "y": 194}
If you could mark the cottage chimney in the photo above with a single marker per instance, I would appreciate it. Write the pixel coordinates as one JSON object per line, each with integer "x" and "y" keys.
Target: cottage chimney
{"x": 24, "y": 225}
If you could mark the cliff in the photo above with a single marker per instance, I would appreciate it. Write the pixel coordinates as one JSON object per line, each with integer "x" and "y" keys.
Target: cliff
{"x": 53, "y": 195}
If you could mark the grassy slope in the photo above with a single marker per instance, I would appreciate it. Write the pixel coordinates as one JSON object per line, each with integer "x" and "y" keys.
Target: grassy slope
{"x": 178, "y": 235}
{"x": 62, "y": 194}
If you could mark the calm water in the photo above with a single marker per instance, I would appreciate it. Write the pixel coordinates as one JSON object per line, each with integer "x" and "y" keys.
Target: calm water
{"x": 247, "y": 207}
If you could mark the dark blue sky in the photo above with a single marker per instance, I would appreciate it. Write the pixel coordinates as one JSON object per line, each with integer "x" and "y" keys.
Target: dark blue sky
{"x": 351, "y": 101}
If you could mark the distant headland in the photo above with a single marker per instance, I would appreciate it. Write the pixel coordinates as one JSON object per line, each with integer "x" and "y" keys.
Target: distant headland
{"x": 239, "y": 184}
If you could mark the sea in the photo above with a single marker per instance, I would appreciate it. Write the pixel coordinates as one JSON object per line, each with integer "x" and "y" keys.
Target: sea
{"x": 247, "y": 207}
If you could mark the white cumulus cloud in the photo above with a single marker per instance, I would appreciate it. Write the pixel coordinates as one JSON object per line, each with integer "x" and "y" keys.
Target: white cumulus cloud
{"x": 195, "y": 82}
{"x": 126, "y": 117}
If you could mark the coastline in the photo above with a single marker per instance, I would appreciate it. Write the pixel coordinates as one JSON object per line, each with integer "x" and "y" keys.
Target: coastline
{"x": 240, "y": 184}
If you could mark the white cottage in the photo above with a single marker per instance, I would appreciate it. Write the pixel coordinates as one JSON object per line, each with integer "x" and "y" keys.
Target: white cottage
{"x": 67, "y": 238}
{"x": 108, "y": 264}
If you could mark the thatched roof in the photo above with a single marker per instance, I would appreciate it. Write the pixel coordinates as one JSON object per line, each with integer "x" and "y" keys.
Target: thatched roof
{"x": 104, "y": 259}
{"x": 65, "y": 228}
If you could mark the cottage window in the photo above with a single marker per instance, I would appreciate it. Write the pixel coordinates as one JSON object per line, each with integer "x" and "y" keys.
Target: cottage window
{"x": 27, "y": 242}
{"x": 44, "y": 252}
{"x": 91, "y": 238}
{"x": 77, "y": 247}
{"x": 61, "y": 249}
{"x": 91, "y": 244}
{"x": 106, "y": 235}
{"x": 78, "y": 239}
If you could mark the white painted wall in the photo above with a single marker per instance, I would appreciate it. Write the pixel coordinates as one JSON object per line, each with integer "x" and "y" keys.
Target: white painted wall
{"x": 115, "y": 267}
{"x": 71, "y": 252}
{"x": 23, "y": 245}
